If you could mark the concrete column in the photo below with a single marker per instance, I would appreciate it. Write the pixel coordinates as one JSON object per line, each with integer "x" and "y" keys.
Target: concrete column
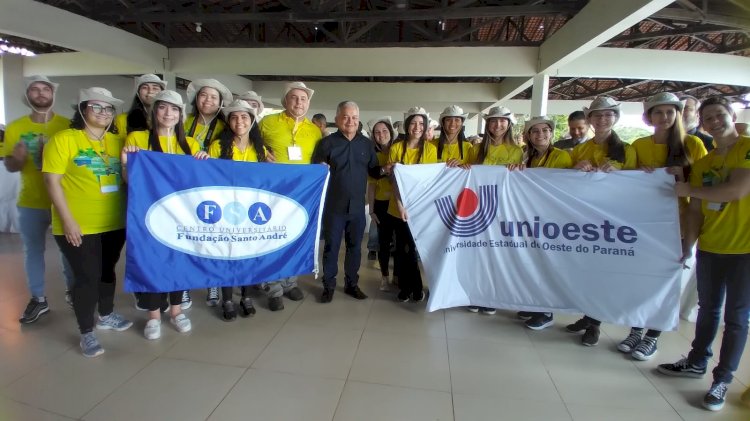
{"x": 12, "y": 87}
{"x": 539, "y": 95}
{"x": 171, "y": 80}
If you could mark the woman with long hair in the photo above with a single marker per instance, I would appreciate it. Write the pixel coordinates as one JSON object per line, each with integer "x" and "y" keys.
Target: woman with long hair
{"x": 166, "y": 135}
{"x": 146, "y": 87}
{"x": 452, "y": 146}
{"x": 236, "y": 143}
{"x": 205, "y": 124}
{"x": 379, "y": 194}
{"x": 498, "y": 147}
{"x": 414, "y": 149}
{"x": 540, "y": 153}
{"x": 605, "y": 152}
{"x": 83, "y": 175}
{"x": 672, "y": 148}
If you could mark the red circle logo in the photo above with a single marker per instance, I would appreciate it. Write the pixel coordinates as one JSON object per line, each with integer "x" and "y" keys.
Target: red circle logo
{"x": 467, "y": 203}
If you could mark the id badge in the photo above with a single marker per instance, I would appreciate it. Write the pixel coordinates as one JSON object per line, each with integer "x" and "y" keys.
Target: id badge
{"x": 295, "y": 153}
{"x": 109, "y": 183}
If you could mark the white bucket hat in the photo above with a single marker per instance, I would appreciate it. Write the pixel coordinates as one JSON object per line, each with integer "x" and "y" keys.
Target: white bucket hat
{"x": 533, "y": 121}
{"x": 171, "y": 97}
{"x": 453, "y": 111}
{"x": 28, "y": 81}
{"x": 97, "y": 94}
{"x": 252, "y": 96}
{"x": 417, "y": 111}
{"x": 195, "y": 86}
{"x": 385, "y": 119}
{"x": 603, "y": 103}
{"x": 663, "y": 98}
{"x": 296, "y": 85}
{"x": 500, "y": 112}
{"x": 240, "y": 105}
{"x": 149, "y": 78}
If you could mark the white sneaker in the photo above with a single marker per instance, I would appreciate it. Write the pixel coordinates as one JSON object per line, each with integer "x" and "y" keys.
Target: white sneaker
{"x": 384, "y": 283}
{"x": 153, "y": 329}
{"x": 181, "y": 323}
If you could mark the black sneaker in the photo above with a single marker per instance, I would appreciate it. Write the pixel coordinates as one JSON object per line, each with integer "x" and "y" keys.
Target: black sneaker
{"x": 275, "y": 304}
{"x": 540, "y": 321}
{"x": 488, "y": 310}
{"x": 646, "y": 349}
{"x": 326, "y": 296}
{"x": 34, "y": 310}
{"x": 682, "y": 368}
{"x": 372, "y": 255}
{"x": 295, "y": 294}
{"x": 525, "y": 315}
{"x": 473, "y": 309}
{"x": 355, "y": 292}
{"x": 403, "y": 296}
{"x": 714, "y": 399}
{"x": 418, "y": 296}
{"x": 628, "y": 344}
{"x": 578, "y": 326}
{"x": 247, "y": 307}
{"x": 590, "y": 336}
{"x": 229, "y": 313}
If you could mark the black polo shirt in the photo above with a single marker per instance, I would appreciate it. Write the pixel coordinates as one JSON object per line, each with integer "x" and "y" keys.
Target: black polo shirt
{"x": 350, "y": 162}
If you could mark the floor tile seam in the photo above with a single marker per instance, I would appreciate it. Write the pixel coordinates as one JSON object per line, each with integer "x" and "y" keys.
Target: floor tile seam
{"x": 36, "y": 367}
{"x": 228, "y": 392}
{"x": 660, "y": 393}
{"x": 549, "y": 375}
{"x": 450, "y": 371}
{"x": 40, "y": 409}
{"x": 154, "y": 358}
{"x": 423, "y": 389}
{"x": 273, "y": 337}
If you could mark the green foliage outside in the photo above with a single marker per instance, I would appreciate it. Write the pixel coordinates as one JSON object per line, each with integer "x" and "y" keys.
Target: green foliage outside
{"x": 627, "y": 134}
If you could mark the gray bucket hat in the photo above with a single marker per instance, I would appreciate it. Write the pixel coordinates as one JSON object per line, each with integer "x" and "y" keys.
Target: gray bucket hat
{"x": 29, "y": 80}
{"x": 171, "y": 97}
{"x": 533, "y": 121}
{"x": 195, "y": 86}
{"x": 500, "y": 112}
{"x": 149, "y": 78}
{"x": 240, "y": 105}
{"x": 97, "y": 94}
{"x": 252, "y": 96}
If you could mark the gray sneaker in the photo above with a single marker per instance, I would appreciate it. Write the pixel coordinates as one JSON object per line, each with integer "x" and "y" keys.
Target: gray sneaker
{"x": 34, "y": 309}
{"x": 113, "y": 321}
{"x": 90, "y": 345}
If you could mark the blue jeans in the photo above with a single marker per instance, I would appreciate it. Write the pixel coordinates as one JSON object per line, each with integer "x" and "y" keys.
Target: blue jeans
{"x": 34, "y": 226}
{"x": 720, "y": 275}
{"x": 352, "y": 228}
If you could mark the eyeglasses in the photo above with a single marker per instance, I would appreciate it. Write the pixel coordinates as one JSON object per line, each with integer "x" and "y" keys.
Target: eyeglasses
{"x": 98, "y": 109}
{"x": 540, "y": 131}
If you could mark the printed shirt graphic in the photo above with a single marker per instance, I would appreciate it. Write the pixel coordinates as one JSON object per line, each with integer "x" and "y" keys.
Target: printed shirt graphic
{"x": 201, "y": 131}
{"x": 33, "y": 192}
{"x": 452, "y": 152}
{"x": 88, "y": 167}
{"x": 429, "y": 156}
{"x": 140, "y": 139}
{"x": 248, "y": 155}
{"x": 503, "y": 154}
{"x": 278, "y": 132}
{"x": 597, "y": 155}
{"x": 726, "y": 226}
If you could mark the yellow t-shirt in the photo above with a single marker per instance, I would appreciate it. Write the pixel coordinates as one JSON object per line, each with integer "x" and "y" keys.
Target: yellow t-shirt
{"x": 249, "y": 155}
{"x": 502, "y": 154}
{"x": 121, "y": 122}
{"x": 654, "y": 155}
{"x": 140, "y": 139}
{"x": 451, "y": 151}
{"x": 726, "y": 226}
{"x": 597, "y": 155}
{"x": 92, "y": 180}
{"x": 383, "y": 189}
{"x": 33, "y": 191}
{"x": 201, "y": 131}
{"x": 429, "y": 156}
{"x": 556, "y": 158}
{"x": 279, "y": 132}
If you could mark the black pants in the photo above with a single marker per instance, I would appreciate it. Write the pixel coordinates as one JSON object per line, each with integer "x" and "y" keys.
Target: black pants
{"x": 154, "y": 300}
{"x": 352, "y": 228}
{"x": 93, "y": 265}
{"x": 409, "y": 278}
{"x": 226, "y": 292}
{"x": 385, "y": 237}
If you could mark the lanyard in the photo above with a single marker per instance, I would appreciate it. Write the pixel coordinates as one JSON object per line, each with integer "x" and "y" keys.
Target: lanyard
{"x": 211, "y": 127}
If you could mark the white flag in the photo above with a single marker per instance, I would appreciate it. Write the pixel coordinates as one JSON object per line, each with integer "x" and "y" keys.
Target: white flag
{"x": 607, "y": 245}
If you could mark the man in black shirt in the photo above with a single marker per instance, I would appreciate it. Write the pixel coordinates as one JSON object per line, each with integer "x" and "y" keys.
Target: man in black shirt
{"x": 350, "y": 157}
{"x": 691, "y": 122}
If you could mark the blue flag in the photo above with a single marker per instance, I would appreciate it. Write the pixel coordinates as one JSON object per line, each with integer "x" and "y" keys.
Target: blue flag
{"x": 197, "y": 224}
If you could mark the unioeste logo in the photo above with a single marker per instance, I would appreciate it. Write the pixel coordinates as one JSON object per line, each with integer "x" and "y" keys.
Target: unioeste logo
{"x": 471, "y": 214}
{"x": 227, "y": 223}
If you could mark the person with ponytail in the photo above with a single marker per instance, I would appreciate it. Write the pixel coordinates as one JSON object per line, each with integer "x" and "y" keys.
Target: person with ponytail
{"x": 452, "y": 146}
{"x": 540, "y": 153}
{"x": 146, "y": 87}
{"x": 237, "y": 143}
{"x": 166, "y": 135}
{"x": 379, "y": 194}
{"x": 672, "y": 148}
{"x": 414, "y": 149}
{"x": 498, "y": 147}
{"x": 605, "y": 152}
{"x": 83, "y": 176}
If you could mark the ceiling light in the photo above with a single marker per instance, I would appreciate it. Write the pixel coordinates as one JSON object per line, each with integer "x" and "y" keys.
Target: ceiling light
{"x": 198, "y": 27}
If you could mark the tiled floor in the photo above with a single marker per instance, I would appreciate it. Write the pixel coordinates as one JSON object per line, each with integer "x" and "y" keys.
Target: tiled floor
{"x": 348, "y": 360}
